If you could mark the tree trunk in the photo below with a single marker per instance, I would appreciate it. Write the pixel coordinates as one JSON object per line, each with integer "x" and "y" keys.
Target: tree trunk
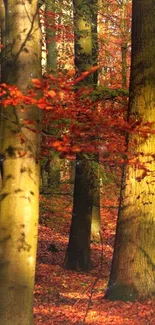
{"x": 124, "y": 64}
{"x": 54, "y": 171}
{"x": 19, "y": 195}
{"x": 78, "y": 252}
{"x": 52, "y": 56}
{"x": 133, "y": 267}
{"x": 84, "y": 37}
{"x": 72, "y": 171}
{"x": 51, "y": 36}
{"x": 96, "y": 217}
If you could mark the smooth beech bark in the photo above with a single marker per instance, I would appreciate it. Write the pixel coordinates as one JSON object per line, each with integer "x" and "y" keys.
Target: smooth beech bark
{"x": 96, "y": 216}
{"x": 133, "y": 267}
{"x": 19, "y": 196}
{"x": 50, "y": 27}
{"x": 78, "y": 250}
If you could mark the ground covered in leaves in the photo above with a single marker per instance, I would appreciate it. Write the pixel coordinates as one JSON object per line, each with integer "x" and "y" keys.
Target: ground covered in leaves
{"x": 67, "y": 297}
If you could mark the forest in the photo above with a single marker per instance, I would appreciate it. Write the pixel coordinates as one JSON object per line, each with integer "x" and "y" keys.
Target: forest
{"x": 77, "y": 162}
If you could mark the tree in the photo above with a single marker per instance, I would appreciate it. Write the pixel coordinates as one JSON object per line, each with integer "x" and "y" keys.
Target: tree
{"x": 78, "y": 251}
{"x": 20, "y": 142}
{"x": 133, "y": 267}
{"x": 52, "y": 166}
{"x": 50, "y": 27}
{"x": 96, "y": 217}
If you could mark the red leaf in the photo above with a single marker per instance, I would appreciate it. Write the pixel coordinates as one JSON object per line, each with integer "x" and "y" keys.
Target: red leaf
{"x": 51, "y": 93}
{"x": 37, "y": 83}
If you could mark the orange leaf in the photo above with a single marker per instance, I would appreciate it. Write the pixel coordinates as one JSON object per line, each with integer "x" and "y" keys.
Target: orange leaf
{"x": 29, "y": 122}
{"x": 86, "y": 73}
{"x": 37, "y": 83}
{"x": 41, "y": 103}
{"x": 55, "y": 144}
{"x": 71, "y": 73}
{"x": 75, "y": 149}
{"x": 66, "y": 139}
{"x": 51, "y": 93}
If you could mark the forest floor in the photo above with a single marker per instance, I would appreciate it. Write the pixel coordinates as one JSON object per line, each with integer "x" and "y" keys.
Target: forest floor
{"x": 67, "y": 297}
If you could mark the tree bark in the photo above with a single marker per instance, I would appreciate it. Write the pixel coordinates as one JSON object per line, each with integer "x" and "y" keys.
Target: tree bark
{"x": 78, "y": 251}
{"x": 124, "y": 64}
{"x": 133, "y": 267}
{"x": 51, "y": 36}
{"x": 19, "y": 197}
{"x": 96, "y": 217}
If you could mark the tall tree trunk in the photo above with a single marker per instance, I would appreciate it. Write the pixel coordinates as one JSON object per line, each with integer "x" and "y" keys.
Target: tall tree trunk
{"x": 78, "y": 251}
{"x": 53, "y": 170}
{"x": 96, "y": 217}
{"x": 133, "y": 267}
{"x": 51, "y": 36}
{"x": 84, "y": 37}
{"x": 124, "y": 64}
{"x": 19, "y": 197}
{"x": 52, "y": 57}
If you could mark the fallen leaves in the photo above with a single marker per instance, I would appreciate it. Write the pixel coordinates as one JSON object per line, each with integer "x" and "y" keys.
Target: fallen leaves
{"x": 61, "y": 296}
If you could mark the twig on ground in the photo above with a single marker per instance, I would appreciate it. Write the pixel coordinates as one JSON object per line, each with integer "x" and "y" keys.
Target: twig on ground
{"x": 95, "y": 282}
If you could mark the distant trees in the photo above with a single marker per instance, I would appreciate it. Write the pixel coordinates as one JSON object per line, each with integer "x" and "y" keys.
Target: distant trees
{"x": 114, "y": 30}
{"x": 133, "y": 267}
{"x": 20, "y": 144}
